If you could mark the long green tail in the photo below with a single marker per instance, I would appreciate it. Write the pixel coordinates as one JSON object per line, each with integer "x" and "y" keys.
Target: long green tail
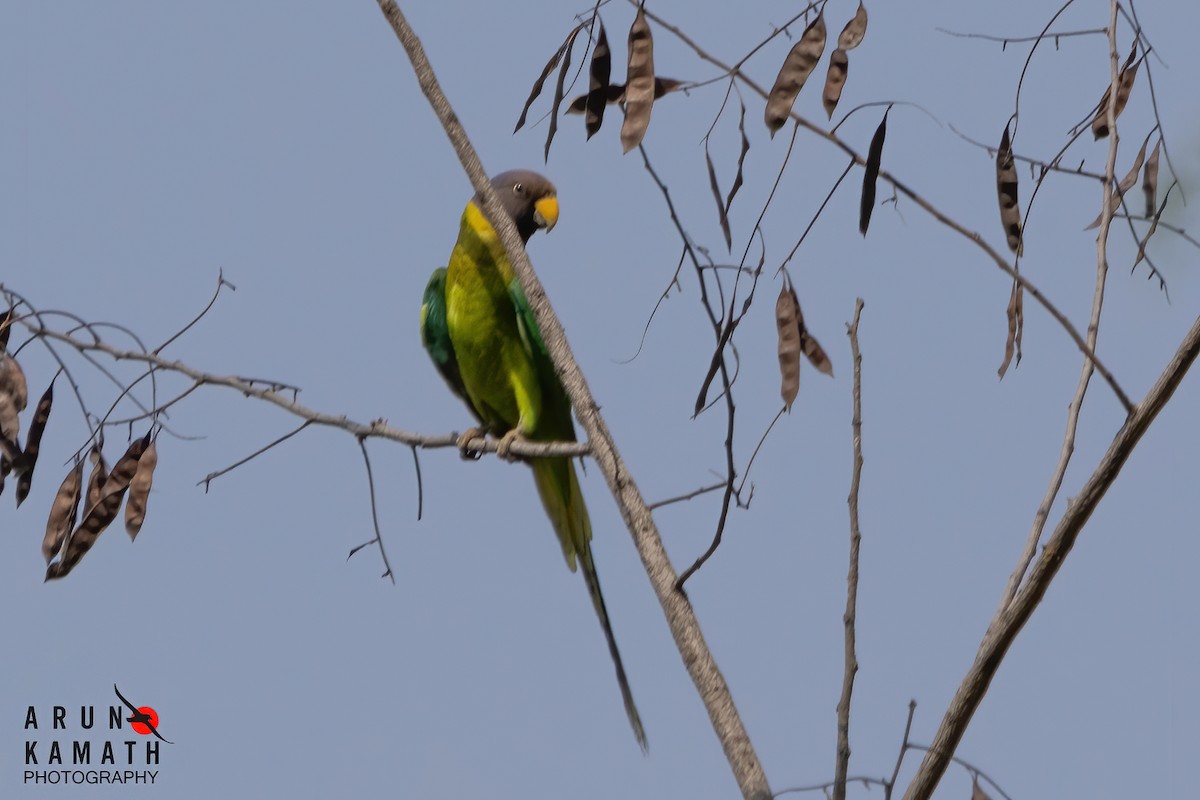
{"x": 558, "y": 487}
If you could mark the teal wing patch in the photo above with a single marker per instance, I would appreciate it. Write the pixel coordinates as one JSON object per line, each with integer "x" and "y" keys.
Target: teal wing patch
{"x": 435, "y": 335}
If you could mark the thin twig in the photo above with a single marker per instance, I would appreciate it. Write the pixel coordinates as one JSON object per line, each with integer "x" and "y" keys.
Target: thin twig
{"x": 221, "y": 282}
{"x": 362, "y": 444}
{"x": 1045, "y": 166}
{"x": 891, "y": 784}
{"x": 1017, "y": 39}
{"x": 685, "y": 497}
{"x": 865, "y": 780}
{"x": 210, "y": 477}
{"x": 420, "y": 484}
{"x": 848, "y": 619}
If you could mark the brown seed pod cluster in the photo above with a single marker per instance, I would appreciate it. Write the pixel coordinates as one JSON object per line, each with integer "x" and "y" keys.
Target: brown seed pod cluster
{"x": 637, "y": 94}
{"x": 105, "y": 495}
{"x": 68, "y": 537}
{"x": 839, "y": 60}
{"x": 795, "y": 339}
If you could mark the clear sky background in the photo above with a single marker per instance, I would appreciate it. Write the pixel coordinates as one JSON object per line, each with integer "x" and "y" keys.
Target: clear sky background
{"x": 146, "y": 146}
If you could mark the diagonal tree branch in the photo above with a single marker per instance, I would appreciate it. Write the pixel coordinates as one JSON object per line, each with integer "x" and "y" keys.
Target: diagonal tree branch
{"x": 1011, "y": 620}
{"x": 681, "y": 617}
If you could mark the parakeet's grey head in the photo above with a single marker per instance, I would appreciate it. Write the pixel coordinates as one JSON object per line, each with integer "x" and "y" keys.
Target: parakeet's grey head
{"x": 529, "y": 198}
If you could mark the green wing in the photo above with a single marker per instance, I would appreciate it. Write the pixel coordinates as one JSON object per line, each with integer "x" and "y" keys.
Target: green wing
{"x": 435, "y": 335}
{"x": 555, "y": 424}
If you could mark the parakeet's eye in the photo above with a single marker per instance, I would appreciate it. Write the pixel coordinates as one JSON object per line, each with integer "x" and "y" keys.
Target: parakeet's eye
{"x": 518, "y": 188}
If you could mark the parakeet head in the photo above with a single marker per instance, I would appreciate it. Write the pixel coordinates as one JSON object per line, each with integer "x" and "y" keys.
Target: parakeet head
{"x": 529, "y": 198}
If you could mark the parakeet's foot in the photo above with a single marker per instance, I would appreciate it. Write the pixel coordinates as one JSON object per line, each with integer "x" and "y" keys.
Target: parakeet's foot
{"x": 464, "y": 441}
{"x": 505, "y": 444}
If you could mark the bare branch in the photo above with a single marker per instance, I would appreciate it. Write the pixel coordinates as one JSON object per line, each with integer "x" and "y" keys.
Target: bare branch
{"x": 221, "y": 283}
{"x": 1009, "y": 621}
{"x": 212, "y": 476}
{"x": 362, "y": 444}
{"x": 1007, "y": 40}
{"x": 848, "y": 619}
{"x": 890, "y": 786}
{"x": 685, "y": 497}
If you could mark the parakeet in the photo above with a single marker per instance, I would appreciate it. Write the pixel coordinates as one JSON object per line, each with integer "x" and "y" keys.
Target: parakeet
{"x": 481, "y": 334}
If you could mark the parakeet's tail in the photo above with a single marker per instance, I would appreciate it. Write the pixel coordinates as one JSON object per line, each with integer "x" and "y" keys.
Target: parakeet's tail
{"x": 558, "y": 487}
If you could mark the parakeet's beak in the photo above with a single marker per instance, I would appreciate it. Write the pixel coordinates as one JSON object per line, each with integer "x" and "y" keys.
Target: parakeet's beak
{"x": 545, "y": 212}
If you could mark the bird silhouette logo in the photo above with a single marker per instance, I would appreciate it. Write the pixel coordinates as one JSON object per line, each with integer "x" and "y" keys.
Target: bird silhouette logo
{"x": 143, "y": 720}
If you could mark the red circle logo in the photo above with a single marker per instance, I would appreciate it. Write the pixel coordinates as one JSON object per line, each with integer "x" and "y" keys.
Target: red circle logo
{"x": 143, "y": 728}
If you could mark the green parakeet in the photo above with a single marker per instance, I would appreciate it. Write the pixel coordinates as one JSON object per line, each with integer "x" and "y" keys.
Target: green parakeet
{"x": 481, "y": 334}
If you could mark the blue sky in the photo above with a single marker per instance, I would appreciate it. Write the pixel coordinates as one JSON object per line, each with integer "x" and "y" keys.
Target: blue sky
{"x": 146, "y": 147}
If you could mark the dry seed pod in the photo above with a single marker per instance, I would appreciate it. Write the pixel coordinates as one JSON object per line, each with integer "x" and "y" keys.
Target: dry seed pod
{"x": 63, "y": 511}
{"x": 737, "y": 179}
{"x": 639, "y": 83}
{"x": 33, "y": 443}
{"x": 10, "y": 426}
{"x": 808, "y": 344}
{"x": 1150, "y": 181}
{"x": 100, "y": 515}
{"x": 1006, "y": 190}
{"x": 1124, "y": 88}
{"x": 597, "y": 96}
{"x": 616, "y": 93}
{"x": 1016, "y": 326}
{"x": 541, "y": 81}
{"x": 96, "y": 478}
{"x": 799, "y": 64}
{"x": 716, "y": 190}
{"x": 1114, "y": 200}
{"x": 1141, "y": 253}
{"x": 871, "y": 174}
{"x": 814, "y": 352}
{"x": 139, "y": 491}
{"x": 559, "y": 88}
{"x": 852, "y": 35}
{"x": 12, "y": 381}
{"x": 835, "y": 79}
{"x": 787, "y": 307}
{"x": 125, "y": 468}
{"x": 14, "y": 395}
